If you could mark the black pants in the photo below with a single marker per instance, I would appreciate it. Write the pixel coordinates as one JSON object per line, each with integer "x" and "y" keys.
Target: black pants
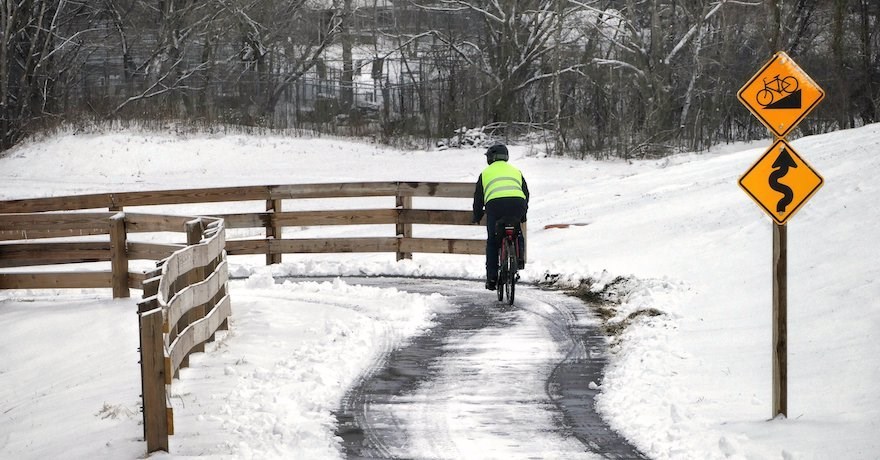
{"x": 500, "y": 208}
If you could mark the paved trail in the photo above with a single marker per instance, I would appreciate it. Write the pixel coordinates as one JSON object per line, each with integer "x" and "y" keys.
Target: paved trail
{"x": 489, "y": 381}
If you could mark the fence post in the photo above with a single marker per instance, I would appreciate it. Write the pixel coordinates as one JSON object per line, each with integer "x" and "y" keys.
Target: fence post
{"x": 403, "y": 230}
{"x": 273, "y": 230}
{"x": 156, "y": 422}
{"x": 118, "y": 257}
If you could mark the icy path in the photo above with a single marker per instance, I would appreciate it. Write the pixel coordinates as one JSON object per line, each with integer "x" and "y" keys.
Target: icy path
{"x": 489, "y": 396}
{"x": 489, "y": 381}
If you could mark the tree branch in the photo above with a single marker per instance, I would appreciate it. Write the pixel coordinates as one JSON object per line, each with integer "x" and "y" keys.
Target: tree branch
{"x": 690, "y": 33}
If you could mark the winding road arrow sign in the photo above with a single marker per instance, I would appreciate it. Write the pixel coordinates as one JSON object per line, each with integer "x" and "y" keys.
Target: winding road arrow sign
{"x": 780, "y": 182}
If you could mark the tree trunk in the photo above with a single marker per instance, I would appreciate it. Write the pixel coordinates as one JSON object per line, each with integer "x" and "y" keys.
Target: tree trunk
{"x": 347, "y": 80}
{"x": 869, "y": 111}
{"x": 839, "y": 48}
{"x": 207, "y": 92}
{"x": 774, "y": 26}
{"x": 695, "y": 74}
{"x": 7, "y": 18}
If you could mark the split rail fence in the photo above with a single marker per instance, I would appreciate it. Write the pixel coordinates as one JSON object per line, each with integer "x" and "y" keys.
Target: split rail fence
{"x": 185, "y": 300}
{"x": 273, "y": 219}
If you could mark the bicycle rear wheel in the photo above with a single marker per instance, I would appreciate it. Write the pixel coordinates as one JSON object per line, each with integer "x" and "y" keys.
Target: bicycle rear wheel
{"x": 499, "y": 282}
{"x": 510, "y": 267}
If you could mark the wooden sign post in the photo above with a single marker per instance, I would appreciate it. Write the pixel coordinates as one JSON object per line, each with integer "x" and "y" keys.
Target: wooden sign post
{"x": 780, "y": 320}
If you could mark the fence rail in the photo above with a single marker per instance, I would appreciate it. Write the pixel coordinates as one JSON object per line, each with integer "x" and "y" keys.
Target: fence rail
{"x": 116, "y": 201}
{"x": 271, "y": 218}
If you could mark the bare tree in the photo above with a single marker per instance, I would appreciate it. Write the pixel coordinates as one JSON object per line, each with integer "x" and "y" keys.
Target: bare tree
{"x": 512, "y": 39}
{"x": 281, "y": 41}
{"x": 647, "y": 46}
{"x": 34, "y": 50}
{"x": 170, "y": 70}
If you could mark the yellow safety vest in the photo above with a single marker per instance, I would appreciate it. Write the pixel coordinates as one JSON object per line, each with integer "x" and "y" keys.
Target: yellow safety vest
{"x": 501, "y": 180}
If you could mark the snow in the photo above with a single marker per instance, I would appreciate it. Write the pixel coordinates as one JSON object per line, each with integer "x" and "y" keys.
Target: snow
{"x": 691, "y": 382}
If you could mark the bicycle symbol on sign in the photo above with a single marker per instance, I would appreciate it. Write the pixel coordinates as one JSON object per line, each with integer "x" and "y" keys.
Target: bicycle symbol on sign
{"x": 776, "y": 85}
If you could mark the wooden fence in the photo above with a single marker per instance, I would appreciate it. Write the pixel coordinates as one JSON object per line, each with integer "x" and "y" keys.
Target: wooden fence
{"x": 273, "y": 219}
{"x": 185, "y": 300}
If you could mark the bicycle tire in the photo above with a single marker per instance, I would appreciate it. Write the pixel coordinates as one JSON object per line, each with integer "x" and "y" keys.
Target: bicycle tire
{"x": 499, "y": 282}
{"x": 764, "y": 97}
{"x": 511, "y": 266}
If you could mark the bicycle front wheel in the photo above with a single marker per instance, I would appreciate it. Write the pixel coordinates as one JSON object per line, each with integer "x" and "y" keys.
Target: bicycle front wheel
{"x": 789, "y": 84}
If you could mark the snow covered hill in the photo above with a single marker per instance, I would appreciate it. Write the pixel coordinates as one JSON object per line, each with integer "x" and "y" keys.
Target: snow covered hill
{"x": 692, "y": 383}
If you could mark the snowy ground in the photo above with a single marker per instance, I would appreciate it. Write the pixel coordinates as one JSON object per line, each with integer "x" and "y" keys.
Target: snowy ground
{"x": 691, "y": 383}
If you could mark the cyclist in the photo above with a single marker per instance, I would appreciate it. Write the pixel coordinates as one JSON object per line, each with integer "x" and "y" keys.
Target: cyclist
{"x": 501, "y": 189}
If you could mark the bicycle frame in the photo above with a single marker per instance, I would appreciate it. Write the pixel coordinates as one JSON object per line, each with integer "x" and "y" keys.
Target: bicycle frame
{"x": 778, "y": 84}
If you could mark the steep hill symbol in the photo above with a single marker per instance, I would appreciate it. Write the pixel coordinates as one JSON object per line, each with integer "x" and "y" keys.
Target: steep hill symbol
{"x": 792, "y": 101}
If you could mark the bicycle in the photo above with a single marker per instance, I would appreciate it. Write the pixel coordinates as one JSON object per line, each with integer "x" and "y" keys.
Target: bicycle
{"x": 509, "y": 255}
{"x": 786, "y": 85}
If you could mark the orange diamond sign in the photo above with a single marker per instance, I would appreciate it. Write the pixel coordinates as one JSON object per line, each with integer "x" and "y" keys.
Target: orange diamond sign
{"x": 781, "y": 94}
{"x": 780, "y": 182}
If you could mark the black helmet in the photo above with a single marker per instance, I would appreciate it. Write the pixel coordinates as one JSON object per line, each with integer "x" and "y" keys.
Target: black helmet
{"x": 497, "y": 152}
